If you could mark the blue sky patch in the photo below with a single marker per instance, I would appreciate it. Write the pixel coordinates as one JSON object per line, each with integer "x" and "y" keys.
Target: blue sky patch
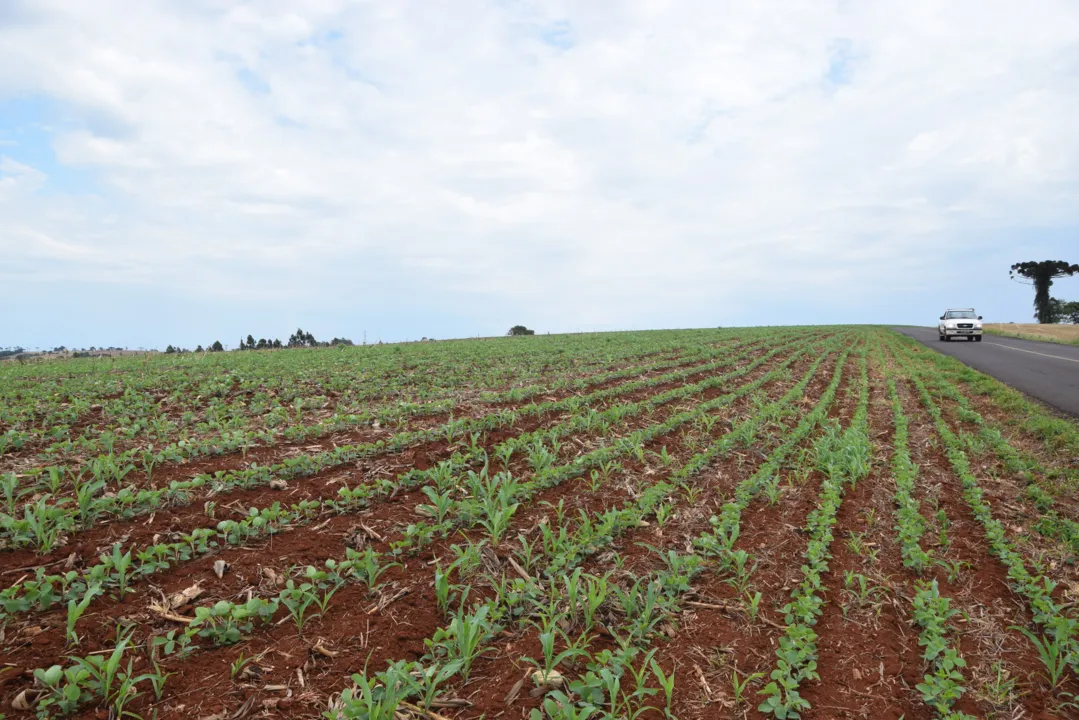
{"x": 841, "y": 60}
{"x": 252, "y": 81}
{"x": 558, "y": 34}
{"x": 27, "y": 131}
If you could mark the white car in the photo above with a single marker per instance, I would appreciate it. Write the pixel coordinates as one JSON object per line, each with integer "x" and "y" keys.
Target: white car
{"x": 960, "y": 322}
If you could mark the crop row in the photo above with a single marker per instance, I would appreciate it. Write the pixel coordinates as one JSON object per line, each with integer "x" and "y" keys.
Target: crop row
{"x": 43, "y": 522}
{"x": 1058, "y": 626}
{"x": 139, "y": 398}
{"x": 613, "y": 684}
{"x": 229, "y": 437}
{"x": 495, "y": 494}
{"x": 44, "y": 590}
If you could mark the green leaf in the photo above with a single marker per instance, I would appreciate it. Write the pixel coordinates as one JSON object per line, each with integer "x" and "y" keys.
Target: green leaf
{"x": 72, "y": 692}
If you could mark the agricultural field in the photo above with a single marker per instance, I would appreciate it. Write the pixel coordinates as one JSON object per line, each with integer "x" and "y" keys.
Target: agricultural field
{"x": 774, "y": 522}
{"x": 1064, "y": 334}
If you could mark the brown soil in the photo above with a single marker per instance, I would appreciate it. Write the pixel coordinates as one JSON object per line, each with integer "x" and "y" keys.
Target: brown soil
{"x": 869, "y": 658}
{"x": 96, "y": 419}
{"x": 982, "y": 588}
{"x": 86, "y": 546}
{"x": 304, "y": 548}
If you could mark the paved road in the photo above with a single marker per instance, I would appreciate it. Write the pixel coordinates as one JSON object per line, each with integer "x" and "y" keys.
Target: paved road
{"x": 1048, "y": 371}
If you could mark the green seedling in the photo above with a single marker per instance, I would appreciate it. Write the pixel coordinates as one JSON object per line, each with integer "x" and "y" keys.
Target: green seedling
{"x": 120, "y": 566}
{"x": 1053, "y": 656}
{"x": 239, "y": 664}
{"x": 663, "y": 456}
{"x": 666, "y": 684}
{"x": 664, "y": 513}
{"x": 751, "y": 605}
{"x": 369, "y": 700}
{"x": 441, "y": 503}
{"x": 463, "y": 637}
{"x": 738, "y": 686}
{"x": 431, "y": 677}
{"x": 298, "y": 599}
{"x": 551, "y": 659}
{"x": 366, "y": 567}
{"x": 952, "y": 567}
{"x": 75, "y": 611}
{"x": 999, "y": 689}
{"x": 108, "y": 679}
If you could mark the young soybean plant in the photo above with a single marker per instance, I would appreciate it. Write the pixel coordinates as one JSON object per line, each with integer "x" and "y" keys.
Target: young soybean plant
{"x": 366, "y": 567}
{"x": 103, "y": 676}
{"x": 298, "y": 599}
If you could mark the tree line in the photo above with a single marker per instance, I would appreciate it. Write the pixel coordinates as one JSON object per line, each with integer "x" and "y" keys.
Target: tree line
{"x": 298, "y": 339}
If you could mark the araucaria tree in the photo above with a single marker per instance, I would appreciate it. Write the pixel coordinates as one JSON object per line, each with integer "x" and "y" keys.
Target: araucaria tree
{"x": 1041, "y": 276}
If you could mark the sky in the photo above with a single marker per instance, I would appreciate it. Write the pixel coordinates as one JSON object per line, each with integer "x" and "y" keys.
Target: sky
{"x": 180, "y": 172}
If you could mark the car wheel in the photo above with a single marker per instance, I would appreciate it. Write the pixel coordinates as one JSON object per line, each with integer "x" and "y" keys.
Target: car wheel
{"x": 977, "y": 338}
{"x": 947, "y": 339}
{"x": 940, "y": 337}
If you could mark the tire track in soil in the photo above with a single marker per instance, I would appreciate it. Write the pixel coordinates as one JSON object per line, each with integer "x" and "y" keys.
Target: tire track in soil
{"x": 982, "y": 589}
{"x": 868, "y": 663}
{"x": 305, "y": 548}
{"x": 87, "y": 545}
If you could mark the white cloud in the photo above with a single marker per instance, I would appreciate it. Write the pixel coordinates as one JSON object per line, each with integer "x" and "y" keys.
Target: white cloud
{"x": 17, "y": 179}
{"x": 602, "y": 156}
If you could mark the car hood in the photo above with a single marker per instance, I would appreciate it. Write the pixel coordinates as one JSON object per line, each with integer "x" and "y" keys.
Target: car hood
{"x": 952, "y": 322}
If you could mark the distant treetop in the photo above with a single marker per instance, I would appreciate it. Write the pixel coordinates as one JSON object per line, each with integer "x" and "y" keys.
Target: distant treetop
{"x": 520, "y": 330}
{"x": 1041, "y": 276}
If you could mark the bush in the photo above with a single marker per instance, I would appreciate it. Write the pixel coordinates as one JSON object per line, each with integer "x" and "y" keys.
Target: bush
{"x": 520, "y": 330}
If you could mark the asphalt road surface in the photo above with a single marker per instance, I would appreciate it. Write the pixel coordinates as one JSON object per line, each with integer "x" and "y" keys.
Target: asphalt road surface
{"x": 1048, "y": 371}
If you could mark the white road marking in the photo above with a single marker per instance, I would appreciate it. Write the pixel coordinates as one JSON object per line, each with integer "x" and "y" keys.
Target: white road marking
{"x": 1035, "y": 352}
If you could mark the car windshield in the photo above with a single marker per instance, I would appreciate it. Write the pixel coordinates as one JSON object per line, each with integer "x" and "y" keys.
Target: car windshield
{"x": 960, "y": 314}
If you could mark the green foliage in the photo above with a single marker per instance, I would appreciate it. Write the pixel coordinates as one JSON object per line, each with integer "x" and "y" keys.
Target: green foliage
{"x": 101, "y": 676}
{"x": 1041, "y": 276}
{"x": 520, "y": 330}
{"x": 462, "y": 639}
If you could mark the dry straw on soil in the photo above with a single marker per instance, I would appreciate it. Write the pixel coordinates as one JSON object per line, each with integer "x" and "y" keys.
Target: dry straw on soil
{"x": 1055, "y": 333}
